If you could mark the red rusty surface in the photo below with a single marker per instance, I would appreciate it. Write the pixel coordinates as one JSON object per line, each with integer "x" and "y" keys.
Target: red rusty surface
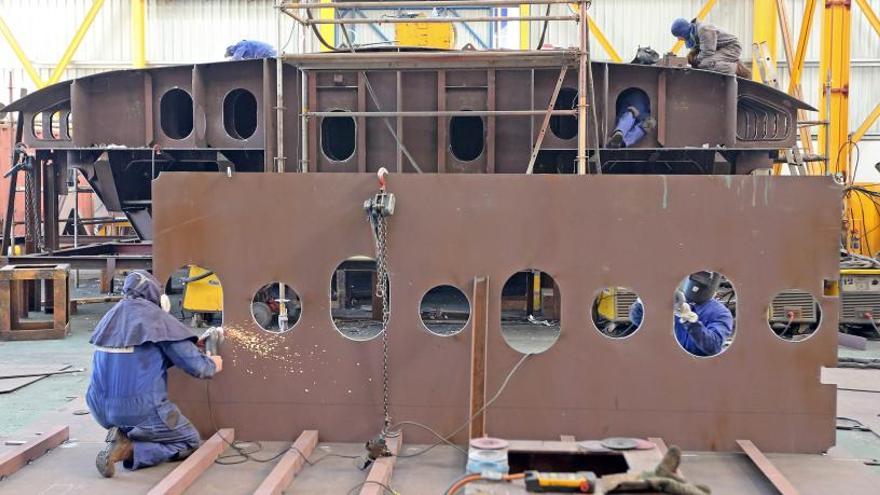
{"x": 766, "y": 234}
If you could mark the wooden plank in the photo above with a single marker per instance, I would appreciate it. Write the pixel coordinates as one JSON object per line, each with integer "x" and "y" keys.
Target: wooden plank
{"x": 382, "y": 469}
{"x": 479, "y": 349}
{"x": 289, "y": 465}
{"x": 189, "y": 470}
{"x": 15, "y": 459}
{"x": 779, "y": 481}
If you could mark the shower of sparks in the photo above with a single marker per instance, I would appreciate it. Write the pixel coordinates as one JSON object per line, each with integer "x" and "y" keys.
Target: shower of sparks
{"x": 270, "y": 346}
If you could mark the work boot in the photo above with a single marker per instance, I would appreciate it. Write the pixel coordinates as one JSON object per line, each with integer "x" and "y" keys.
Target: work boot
{"x": 649, "y": 124}
{"x": 616, "y": 140}
{"x": 118, "y": 448}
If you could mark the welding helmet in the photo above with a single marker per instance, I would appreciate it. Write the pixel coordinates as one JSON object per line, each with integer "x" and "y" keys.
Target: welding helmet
{"x": 701, "y": 286}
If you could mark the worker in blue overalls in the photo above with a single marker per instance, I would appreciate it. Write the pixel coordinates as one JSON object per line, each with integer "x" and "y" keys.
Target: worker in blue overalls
{"x": 702, "y": 323}
{"x": 135, "y": 344}
{"x": 634, "y": 119}
{"x": 249, "y": 49}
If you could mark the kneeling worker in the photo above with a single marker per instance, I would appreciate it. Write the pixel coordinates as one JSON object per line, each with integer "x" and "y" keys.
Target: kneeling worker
{"x": 711, "y": 47}
{"x": 702, "y": 323}
{"x": 135, "y": 344}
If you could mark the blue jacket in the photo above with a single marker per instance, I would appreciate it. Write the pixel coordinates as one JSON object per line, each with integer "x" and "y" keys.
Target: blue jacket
{"x": 136, "y": 342}
{"x": 248, "y": 49}
{"x": 706, "y": 336}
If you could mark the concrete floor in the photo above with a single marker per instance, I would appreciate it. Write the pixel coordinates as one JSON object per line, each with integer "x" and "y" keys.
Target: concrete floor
{"x": 69, "y": 469}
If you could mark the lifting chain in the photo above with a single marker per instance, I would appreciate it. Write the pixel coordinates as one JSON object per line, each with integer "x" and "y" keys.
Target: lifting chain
{"x": 378, "y": 209}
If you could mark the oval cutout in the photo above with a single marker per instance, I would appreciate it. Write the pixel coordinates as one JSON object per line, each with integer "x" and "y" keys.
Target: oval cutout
{"x": 704, "y": 313}
{"x": 466, "y": 137}
{"x": 794, "y": 315}
{"x": 176, "y": 113}
{"x": 444, "y": 310}
{"x": 565, "y": 126}
{"x": 276, "y": 307}
{"x": 612, "y": 312}
{"x": 338, "y": 137}
{"x": 530, "y": 311}
{"x": 240, "y": 113}
{"x": 356, "y": 312}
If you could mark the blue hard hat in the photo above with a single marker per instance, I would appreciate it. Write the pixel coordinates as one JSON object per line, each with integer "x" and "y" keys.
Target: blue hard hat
{"x": 681, "y": 28}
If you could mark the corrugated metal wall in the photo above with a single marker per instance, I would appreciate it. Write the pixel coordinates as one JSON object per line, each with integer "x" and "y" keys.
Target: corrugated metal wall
{"x": 182, "y": 31}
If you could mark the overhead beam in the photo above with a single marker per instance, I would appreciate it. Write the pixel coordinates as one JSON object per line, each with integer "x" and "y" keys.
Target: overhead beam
{"x": 186, "y": 473}
{"x": 289, "y": 465}
{"x": 870, "y": 14}
{"x": 75, "y": 42}
{"x": 20, "y": 55}
{"x": 603, "y": 40}
{"x": 700, "y": 16}
{"x": 13, "y": 460}
{"x": 866, "y": 125}
{"x": 773, "y": 475}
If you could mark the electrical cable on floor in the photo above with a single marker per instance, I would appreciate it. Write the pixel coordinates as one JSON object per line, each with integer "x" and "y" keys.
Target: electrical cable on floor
{"x": 385, "y": 488}
{"x": 245, "y": 455}
{"x": 395, "y": 429}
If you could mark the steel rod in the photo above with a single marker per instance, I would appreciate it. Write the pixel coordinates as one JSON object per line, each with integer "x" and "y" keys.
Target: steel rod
{"x": 448, "y": 113}
{"x": 460, "y": 20}
{"x": 582, "y": 94}
{"x": 396, "y": 4}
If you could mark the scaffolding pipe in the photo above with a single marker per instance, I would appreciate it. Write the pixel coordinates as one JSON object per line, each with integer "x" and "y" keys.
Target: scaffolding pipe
{"x": 395, "y": 4}
{"x": 460, "y": 20}
{"x": 582, "y": 91}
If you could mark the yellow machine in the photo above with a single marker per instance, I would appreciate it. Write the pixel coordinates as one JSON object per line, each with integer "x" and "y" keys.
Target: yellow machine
{"x": 202, "y": 292}
{"x": 614, "y": 305}
{"x": 425, "y": 34}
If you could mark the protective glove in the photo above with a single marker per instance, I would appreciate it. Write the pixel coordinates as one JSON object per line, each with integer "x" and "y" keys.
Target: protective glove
{"x": 686, "y": 313}
{"x": 662, "y": 479}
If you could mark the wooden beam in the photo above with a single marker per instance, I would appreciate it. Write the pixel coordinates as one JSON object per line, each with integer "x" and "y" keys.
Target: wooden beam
{"x": 382, "y": 469}
{"x": 289, "y": 465}
{"x": 189, "y": 470}
{"x": 479, "y": 335}
{"x": 779, "y": 481}
{"x": 16, "y": 459}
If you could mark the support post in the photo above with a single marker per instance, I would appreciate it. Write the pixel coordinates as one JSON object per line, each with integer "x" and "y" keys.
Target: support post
{"x": 383, "y": 468}
{"x": 289, "y": 465}
{"x": 582, "y": 91}
{"x": 764, "y": 31}
{"x": 834, "y": 99}
{"x": 479, "y": 336}
{"x": 74, "y": 43}
{"x": 186, "y": 473}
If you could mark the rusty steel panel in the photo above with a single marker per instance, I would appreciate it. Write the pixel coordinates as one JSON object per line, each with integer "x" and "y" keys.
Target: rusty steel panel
{"x": 642, "y": 232}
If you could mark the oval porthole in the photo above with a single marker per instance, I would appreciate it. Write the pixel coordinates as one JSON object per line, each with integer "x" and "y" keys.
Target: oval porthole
{"x": 240, "y": 113}
{"x": 176, "y": 113}
{"x": 276, "y": 307}
{"x": 795, "y": 315}
{"x": 565, "y": 126}
{"x": 704, "y": 313}
{"x": 531, "y": 307}
{"x": 445, "y": 310}
{"x": 466, "y": 137}
{"x": 338, "y": 137}
{"x": 354, "y": 308}
{"x": 617, "y": 312}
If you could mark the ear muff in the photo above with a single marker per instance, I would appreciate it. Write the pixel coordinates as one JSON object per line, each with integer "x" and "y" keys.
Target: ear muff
{"x": 165, "y": 303}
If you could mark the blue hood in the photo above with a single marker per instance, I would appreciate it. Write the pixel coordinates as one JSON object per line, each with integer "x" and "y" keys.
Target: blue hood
{"x": 138, "y": 318}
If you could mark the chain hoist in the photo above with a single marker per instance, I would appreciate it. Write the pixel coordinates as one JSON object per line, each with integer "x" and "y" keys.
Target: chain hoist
{"x": 378, "y": 209}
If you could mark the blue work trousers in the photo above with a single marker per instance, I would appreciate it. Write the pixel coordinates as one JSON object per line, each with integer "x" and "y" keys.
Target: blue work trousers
{"x": 630, "y": 127}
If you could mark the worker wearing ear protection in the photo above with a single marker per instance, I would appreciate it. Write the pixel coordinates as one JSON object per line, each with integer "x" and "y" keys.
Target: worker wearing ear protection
{"x": 135, "y": 344}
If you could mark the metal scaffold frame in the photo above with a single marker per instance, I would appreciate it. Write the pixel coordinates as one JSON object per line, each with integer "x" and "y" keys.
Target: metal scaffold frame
{"x": 301, "y": 12}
